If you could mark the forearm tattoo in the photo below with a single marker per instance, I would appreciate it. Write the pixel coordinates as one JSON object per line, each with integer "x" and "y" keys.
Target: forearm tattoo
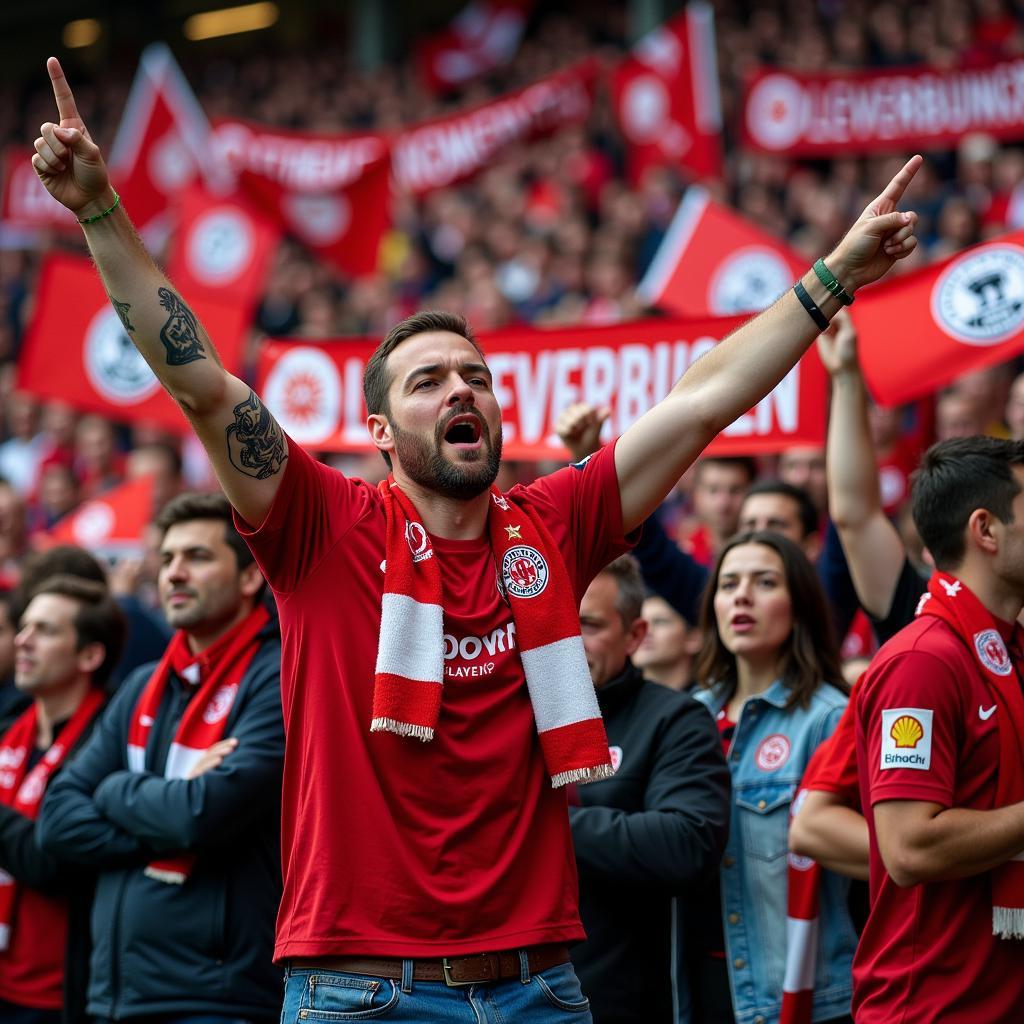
{"x": 255, "y": 440}
{"x": 121, "y": 309}
{"x": 180, "y": 334}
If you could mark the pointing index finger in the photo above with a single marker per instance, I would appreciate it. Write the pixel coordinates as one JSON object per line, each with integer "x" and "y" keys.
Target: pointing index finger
{"x": 62, "y": 92}
{"x": 893, "y": 192}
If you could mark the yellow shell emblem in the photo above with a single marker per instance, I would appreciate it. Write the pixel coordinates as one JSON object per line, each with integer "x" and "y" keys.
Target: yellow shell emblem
{"x": 906, "y": 731}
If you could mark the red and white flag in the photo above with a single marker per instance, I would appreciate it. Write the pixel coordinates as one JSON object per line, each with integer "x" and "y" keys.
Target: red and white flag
{"x": 712, "y": 262}
{"x": 484, "y": 35}
{"x": 331, "y": 192}
{"x": 111, "y": 524}
{"x": 919, "y": 331}
{"x": 27, "y": 206}
{"x": 162, "y": 143}
{"x": 76, "y": 348}
{"x": 666, "y": 97}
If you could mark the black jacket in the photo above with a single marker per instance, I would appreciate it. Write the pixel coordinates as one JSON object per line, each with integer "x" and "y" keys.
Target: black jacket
{"x": 642, "y": 837}
{"x": 201, "y": 947}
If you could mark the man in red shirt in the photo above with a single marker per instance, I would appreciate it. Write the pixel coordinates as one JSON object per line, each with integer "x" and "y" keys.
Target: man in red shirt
{"x": 434, "y": 878}
{"x": 940, "y": 724}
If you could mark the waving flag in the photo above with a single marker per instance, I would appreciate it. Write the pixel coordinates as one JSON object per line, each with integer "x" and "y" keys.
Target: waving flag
{"x": 111, "y": 524}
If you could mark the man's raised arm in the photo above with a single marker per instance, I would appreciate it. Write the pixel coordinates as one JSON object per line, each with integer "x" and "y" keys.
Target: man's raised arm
{"x": 245, "y": 444}
{"x": 737, "y": 373}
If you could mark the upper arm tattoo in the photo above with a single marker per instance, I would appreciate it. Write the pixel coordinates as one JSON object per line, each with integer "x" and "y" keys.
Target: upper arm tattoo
{"x": 255, "y": 440}
{"x": 180, "y": 334}
{"x": 121, "y": 309}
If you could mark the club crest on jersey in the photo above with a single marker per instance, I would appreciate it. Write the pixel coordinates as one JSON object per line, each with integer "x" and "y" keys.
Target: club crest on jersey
{"x": 524, "y": 571}
{"x": 773, "y": 752}
{"x": 419, "y": 543}
{"x": 992, "y": 652}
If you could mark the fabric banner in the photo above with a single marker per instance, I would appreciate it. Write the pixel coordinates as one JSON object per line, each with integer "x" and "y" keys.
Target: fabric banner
{"x": 712, "y": 262}
{"x": 919, "y": 331}
{"x": 451, "y": 149}
{"x": 315, "y": 389}
{"x": 484, "y": 35}
{"x": 666, "y": 97}
{"x": 877, "y": 111}
{"x": 77, "y": 350}
{"x": 26, "y": 203}
{"x": 109, "y": 525}
{"x": 332, "y": 192}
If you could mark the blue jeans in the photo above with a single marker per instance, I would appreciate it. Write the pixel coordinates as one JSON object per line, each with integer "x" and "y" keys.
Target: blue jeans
{"x": 551, "y": 997}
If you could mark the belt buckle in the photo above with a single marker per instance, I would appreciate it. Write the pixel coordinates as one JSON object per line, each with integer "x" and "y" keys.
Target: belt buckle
{"x": 446, "y": 968}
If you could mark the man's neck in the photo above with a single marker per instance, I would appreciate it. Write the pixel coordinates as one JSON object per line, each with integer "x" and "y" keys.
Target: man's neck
{"x": 58, "y": 706}
{"x": 1001, "y": 599}
{"x": 200, "y": 638}
{"x": 447, "y": 517}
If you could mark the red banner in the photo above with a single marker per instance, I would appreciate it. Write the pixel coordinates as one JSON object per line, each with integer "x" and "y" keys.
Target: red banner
{"x": 76, "y": 349}
{"x": 666, "y": 97}
{"x": 876, "y": 111}
{"x": 26, "y": 203}
{"x": 451, "y": 149}
{"x": 331, "y": 192}
{"x": 921, "y": 330}
{"x": 109, "y": 525}
{"x": 712, "y": 262}
{"x": 315, "y": 389}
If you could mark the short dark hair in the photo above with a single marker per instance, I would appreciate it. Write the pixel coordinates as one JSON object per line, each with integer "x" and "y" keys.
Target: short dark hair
{"x": 746, "y": 463}
{"x": 377, "y": 380}
{"x": 62, "y": 560}
{"x": 806, "y": 508}
{"x": 955, "y": 478}
{"x": 811, "y": 651}
{"x": 98, "y": 620}
{"x": 629, "y": 582}
{"x": 196, "y": 505}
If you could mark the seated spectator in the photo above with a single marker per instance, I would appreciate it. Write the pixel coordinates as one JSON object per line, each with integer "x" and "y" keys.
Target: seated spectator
{"x": 718, "y": 490}
{"x": 12, "y": 701}
{"x": 666, "y": 653}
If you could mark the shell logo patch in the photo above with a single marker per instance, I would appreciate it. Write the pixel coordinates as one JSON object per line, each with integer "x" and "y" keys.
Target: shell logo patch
{"x": 907, "y": 738}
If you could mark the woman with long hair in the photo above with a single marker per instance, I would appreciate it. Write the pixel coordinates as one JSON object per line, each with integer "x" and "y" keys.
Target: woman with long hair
{"x": 769, "y": 672}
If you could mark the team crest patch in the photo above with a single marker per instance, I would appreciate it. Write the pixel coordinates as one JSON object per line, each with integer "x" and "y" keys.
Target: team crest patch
{"x": 992, "y": 652}
{"x": 615, "y": 753}
{"x": 979, "y": 298}
{"x": 419, "y": 544}
{"x": 524, "y": 571}
{"x": 220, "y": 704}
{"x": 907, "y": 738}
{"x": 773, "y": 752}
{"x": 799, "y": 863}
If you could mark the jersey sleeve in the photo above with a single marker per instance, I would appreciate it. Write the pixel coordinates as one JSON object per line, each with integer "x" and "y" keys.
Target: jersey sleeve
{"x": 313, "y": 509}
{"x": 833, "y": 766}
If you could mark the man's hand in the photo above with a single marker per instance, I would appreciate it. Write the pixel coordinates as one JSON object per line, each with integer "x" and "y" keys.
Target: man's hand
{"x": 879, "y": 237}
{"x": 837, "y": 347}
{"x": 579, "y": 428}
{"x": 213, "y": 757}
{"x": 67, "y": 161}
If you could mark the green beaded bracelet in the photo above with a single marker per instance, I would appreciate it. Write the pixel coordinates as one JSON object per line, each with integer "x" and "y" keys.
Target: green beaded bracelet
{"x": 831, "y": 282}
{"x": 106, "y": 213}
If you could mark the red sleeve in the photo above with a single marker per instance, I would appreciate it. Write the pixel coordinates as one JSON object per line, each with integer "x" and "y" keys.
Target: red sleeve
{"x": 907, "y": 715}
{"x": 313, "y": 509}
{"x": 833, "y": 766}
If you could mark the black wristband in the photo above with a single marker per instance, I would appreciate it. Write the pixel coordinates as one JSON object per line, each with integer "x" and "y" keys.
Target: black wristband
{"x": 809, "y": 304}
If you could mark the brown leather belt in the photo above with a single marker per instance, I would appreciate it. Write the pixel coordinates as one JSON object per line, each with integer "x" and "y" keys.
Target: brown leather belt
{"x": 452, "y": 970}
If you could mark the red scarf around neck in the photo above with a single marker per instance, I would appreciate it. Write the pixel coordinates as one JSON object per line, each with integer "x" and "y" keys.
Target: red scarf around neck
{"x": 218, "y": 672}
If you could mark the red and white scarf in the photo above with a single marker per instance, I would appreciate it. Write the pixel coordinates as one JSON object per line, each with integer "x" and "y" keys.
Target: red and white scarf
{"x": 218, "y": 672}
{"x": 948, "y": 599}
{"x": 533, "y": 577}
{"x": 23, "y": 790}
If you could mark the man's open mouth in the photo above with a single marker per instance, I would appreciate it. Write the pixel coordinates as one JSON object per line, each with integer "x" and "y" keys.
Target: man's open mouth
{"x": 464, "y": 431}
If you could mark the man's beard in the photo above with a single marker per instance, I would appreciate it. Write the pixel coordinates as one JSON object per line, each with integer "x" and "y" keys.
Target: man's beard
{"x": 424, "y": 464}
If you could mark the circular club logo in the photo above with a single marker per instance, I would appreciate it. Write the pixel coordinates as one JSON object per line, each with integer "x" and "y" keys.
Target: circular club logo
{"x": 524, "y": 571}
{"x": 645, "y": 108}
{"x": 773, "y": 752}
{"x": 992, "y": 652}
{"x": 220, "y": 246}
{"x": 170, "y": 164}
{"x": 775, "y": 112}
{"x": 113, "y": 364}
{"x": 979, "y": 298}
{"x": 304, "y": 390}
{"x": 220, "y": 704}
{"x": 748, "y": 281}
{"x": 615, "y": 753}
{"x": 94, "y": 523}
{"x": 319, "y": 220}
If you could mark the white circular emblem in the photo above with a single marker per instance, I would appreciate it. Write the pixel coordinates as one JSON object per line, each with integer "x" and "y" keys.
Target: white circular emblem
{"x": 524, "y": 571}
{"x": 319, "y": 220}
{"x": 992, "y": 652}
{"x": 93, "y": 523}
{"x": 113, "y": 364}
{"x": 773, "y": 752}
{"x": 645, "y": 108}
{"x": 31, "y": 788}
{"x": 415, "y": 537}
{"x": 800, "y": 863}
{"x": 170, "y": 163}
{"x": 304, "y": 390}
{"x": 615, "y": 753}
{"x": 220, "y": 704}
{"x": 220, "y": 246}
{"x": 979, "y": 298}
{"x": 775, "y": 111}
{"x": 748, "y": 280}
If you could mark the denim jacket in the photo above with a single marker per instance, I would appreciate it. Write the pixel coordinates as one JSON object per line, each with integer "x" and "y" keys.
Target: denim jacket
{"x": 769, "y": 751}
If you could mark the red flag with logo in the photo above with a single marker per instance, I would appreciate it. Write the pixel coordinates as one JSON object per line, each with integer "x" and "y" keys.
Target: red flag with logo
{"x": 666, "y": 97}
{"x": 919, "y": 331}
{"x": 331, "y": 192}
{"x": 162, "y": 142}
{"x": 111, "y": 524}
{"x": 76, "y": 349}
{"x": 26, "y": 203}
{"x": 712, "y": 262}
{"x": 315, "y": 389}
{"x": 484, "y": 35}
{"x": 222, "y": 247}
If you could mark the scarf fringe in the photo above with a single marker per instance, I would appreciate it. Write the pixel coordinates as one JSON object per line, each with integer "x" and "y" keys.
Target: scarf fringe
{"x": 595, "y": 774}
{"x": 1008, "y": 922}
{"x": 419, "y": 732}
{"x": 166, "y": 875}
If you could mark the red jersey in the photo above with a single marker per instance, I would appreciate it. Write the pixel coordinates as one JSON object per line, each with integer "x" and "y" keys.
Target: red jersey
{"x": 926, "y": 731}
{"x": 833, "y": 766}
{"x": 391, "y": 846}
